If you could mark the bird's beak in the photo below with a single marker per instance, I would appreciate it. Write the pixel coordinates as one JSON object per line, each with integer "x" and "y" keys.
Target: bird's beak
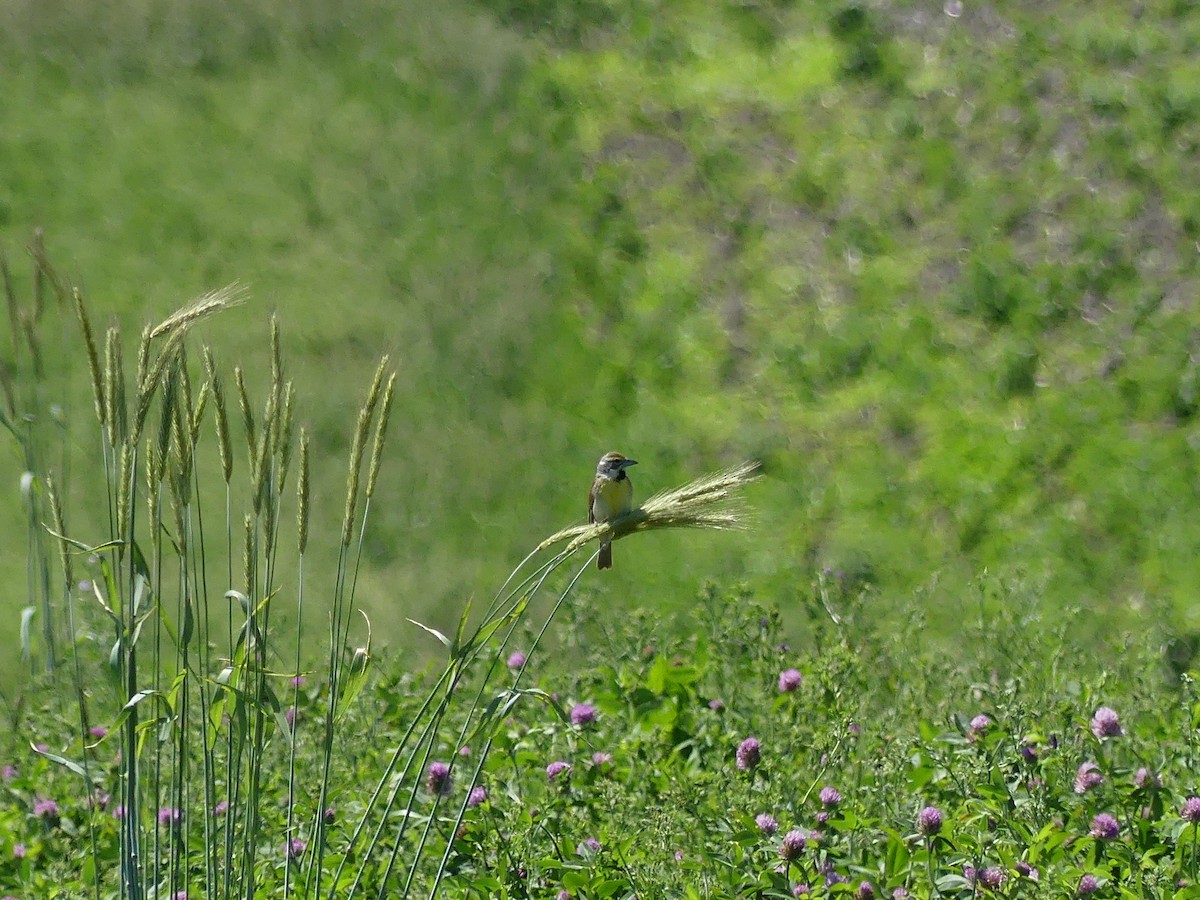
{"x": 626, "y": 463}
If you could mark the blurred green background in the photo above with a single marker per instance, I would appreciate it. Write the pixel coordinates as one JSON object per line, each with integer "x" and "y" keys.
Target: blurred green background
{"x": 936, "y": 266}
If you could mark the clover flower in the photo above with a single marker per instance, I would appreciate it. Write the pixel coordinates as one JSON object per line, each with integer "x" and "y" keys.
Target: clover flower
{"x": 1191, "y": 809}
{"x": 556, "y": 768}
{"x": 438, "y": 778}
{"x": 1105, "y": 827}
{"x": 749, "y": 754}
{"x": 830, "y": 796}
{"x": 1105, "y": 723}
{"x": 929, "y": 821}
{"x": 583, "y": 714}
{"x": 792, "y": 846}
{"x": 790, "y": 680}
{"x": 1087, "y": 777}
{"x": 766, "y": 824}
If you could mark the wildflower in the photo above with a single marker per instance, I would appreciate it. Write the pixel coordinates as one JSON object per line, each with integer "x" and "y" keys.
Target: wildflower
{"x": 1025, "y": 870}
{"x": 298, "y": 680}
{"x": 221, "y": 808}
{"x": 1087, "y": 885}
{"x": 766, "y": 824}
{"x": 1029, "y": 752}
{"x": 100, "y": 799}
{"x": 289, "y": 716}
{"x": 19, "y": 851}
{"x": 992, "y": 877}
{"x": 716, "y": 705}
{"x": 437, "y": 778}
{"x": 583, "y": 714}
{"x": 600, "y": 758}
{"x": 1191, "y": 809}
{"x": 1105, "y": 723}
{"x": 97, "y": 731}
{"x": 748, "y": 754}
{"x": 792, "y": 846}
{"x": 854, "y": 728}
{"x": 823, "y": 817}
{"x": 118, "y": 812}
{"x": 169, "y": 817}
{"x": 477, "y": 796}
{"x": 556, "y": 768}
{"x": 563, "y": 895}
{"x": 180, "y": 895}
{"x": 295, "y": 848}
{"x": 789, "y": 680}
{"x": 516, "y": 661}
{"x": 8, "y": 773}
{"x": 588, "y": 847}
{"x": 330, "y": 815}
{"x": 866, "y": 891}
{"x": 1087, "y": 777}
{"x": 45, "y": 808}
{"x": 979, "y": 725}
{"x": 678, "y": 856}
{"x": 1105, "y": 827}
{"x": 900, "y": 893}
{"x": 1146, "y": 778}
{"x": 929, "y": 821}
{"x": 830, "y": 796}
{"x": 464, "y": 751}
{"x": 800, "y": 890}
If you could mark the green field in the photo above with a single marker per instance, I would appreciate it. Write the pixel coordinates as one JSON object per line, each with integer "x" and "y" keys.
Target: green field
{"x": 934, "y": 267}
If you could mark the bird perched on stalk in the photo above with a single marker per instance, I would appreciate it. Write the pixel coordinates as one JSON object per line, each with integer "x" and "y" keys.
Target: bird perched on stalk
{"x": 610, "y": 498}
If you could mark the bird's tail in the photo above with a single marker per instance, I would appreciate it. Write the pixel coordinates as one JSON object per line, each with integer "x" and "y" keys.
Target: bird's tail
{"x": 604, "y": 560}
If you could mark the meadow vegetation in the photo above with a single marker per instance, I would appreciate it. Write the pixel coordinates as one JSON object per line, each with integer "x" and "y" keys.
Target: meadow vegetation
{"x": 934, "y": 268}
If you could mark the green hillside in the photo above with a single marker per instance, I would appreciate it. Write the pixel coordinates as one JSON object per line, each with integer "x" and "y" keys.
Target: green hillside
{"x": 936, "y": 268}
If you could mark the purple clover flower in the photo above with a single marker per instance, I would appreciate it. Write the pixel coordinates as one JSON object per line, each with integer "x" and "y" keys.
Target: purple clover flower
{"x": 19, "y": 851}
{"x": 583, "y": 714}
{"x": 866, "y": 891}
{"x": 517, "y": 660}
{"x": 830, "y": 797}
{"x": 170, "y": 817}
{"x": 1105, "y": 827}
{"x": 1105, "y": 723}
{"x": 800, "y": 890}
{"x": 929, "y": 821}
{"x": 1025, "y": 870}
{"x": 295, "y": 848}
{"x": 992, "y": 878}
{"x": 790, "y": 680}
{"x": 1087, "y": 885}
{"x": 557, "y": 768}
{"x": 477, "y": 796}
{"x": 1087, "y": 777}
{"x": 221, "y": 808}
{"x": 792, "y": 846}
{"x": 600, "y": 759}
{"x": 749, "y": 754}
{"x": 766, "y": 823}
{"x": 45, "y": 808}
{"x": 588, "y": 847}
{"x": 438, "y": 778}
{"x": 1191, "y": 809}
{"x": 1146, "y": 778}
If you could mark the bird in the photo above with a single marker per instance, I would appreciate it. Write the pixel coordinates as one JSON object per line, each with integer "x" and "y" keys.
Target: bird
{"x": 610, "y": 498}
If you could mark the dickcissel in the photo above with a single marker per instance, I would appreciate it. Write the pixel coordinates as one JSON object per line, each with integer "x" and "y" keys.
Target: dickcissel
{"x": 610, "y": 498}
